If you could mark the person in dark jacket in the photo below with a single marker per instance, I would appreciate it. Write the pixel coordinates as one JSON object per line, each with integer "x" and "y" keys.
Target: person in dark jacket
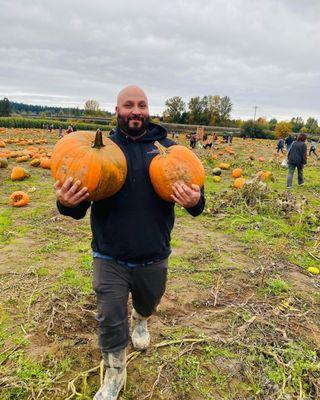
{"x": 288, "y": 141}
{"x": 131, "y": 237}
{"x": 297, "y": 158}
{"x": 280, "y": 145}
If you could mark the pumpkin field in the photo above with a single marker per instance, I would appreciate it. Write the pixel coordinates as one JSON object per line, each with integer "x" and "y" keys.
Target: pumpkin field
{"x": 240, "y": 318}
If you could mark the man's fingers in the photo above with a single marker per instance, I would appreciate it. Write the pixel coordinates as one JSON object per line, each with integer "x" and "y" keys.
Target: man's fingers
{"x": 57, "y": 185}
{"x": 186, "y": 189}
{"x": 74, "y": 188}
{"x": 78, "y": 200}
{"x": 67, "y": 185}
{"x": 82, "y": 193}
{"x": 178, "y": 188}
{"x": 195, "y": 187}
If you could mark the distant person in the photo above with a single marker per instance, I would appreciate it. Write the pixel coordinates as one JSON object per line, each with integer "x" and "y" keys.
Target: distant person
{"x": 280, "y": 145}
{"x": 193, "y": 140}
{"x": 69, "y": 130}
{"x": 313, "y": 148}
{"x": 60, "y": 132}
{"x": 230, "y": 138}
{"x": 177, "y": 135}
{"x": 288, "y": 141}
{"x": 205, "y": 137}
{"x": 208, "y": 142}
{"x": 297, "y": 158}
{"x": 74, "y": 129}
{"x": 225, "y": 137}
{"x": 215, "y": 136}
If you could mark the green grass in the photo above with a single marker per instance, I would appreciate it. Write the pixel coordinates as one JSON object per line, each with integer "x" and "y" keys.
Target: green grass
{"x": 74, "y": 278}
{"x": 276, "y": 286}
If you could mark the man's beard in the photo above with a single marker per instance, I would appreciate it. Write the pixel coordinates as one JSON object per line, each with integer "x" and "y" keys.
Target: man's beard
{"x": 123, "y": 124}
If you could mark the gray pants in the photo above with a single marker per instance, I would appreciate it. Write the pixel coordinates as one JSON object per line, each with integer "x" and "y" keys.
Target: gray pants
{"x": 292, "y": 167}
{"x": 112, "y": 283}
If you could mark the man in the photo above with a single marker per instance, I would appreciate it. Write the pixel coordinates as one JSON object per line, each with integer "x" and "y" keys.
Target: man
{"x": 313, "y": 148}
{"x": 297, "y": 158}
{"x": 280, "y": 145}
{"x": 131, "y": 238}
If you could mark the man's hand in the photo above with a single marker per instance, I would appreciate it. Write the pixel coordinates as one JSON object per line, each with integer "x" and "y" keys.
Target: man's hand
{"x": 185, "y": 196}
{"x": 69, "y": 194}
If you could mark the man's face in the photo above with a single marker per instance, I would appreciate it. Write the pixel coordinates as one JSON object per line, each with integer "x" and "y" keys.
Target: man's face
{"x": 132, "y": 113}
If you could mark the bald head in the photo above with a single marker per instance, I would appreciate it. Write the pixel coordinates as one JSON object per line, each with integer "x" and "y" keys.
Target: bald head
{"x": 131, "y": 92}
{"x": 132, "y": 110}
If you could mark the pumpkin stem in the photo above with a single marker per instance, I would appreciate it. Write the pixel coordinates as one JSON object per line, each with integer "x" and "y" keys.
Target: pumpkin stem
{"x": 162, "y": 149}
{"x": 98, "y": 142}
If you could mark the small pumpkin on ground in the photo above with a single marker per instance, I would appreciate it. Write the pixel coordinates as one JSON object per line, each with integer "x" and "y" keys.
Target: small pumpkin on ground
{"x": 239, "y": 183}
{"x": 314, "y": 270}
{"x": 217, "y": 171}
{"x": 35, "y": 162}
{"x": 3, "y": 163}
{"x": 224, "y": 166}
{"x": 45, "y": 162}
{"x": 237, "y": 173}
{"x": 216, "y": 178}
{"x": 174, "y": 164}
{"x": 18, "y": 174}
{"x": 19, "y": 199}
{"x": 266, "y": 175}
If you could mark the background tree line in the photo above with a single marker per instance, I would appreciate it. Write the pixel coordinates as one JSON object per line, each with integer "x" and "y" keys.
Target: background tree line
{"x": 208, "y": 110}
{"x": 91, "y": 108}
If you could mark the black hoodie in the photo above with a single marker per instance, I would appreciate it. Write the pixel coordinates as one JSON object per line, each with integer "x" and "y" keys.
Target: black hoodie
{"x": 134, "y": 225}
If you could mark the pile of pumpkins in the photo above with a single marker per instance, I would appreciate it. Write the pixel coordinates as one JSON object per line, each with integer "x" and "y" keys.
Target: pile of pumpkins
{"x": 236, "y": 173}
{"x": 38, "y": 157}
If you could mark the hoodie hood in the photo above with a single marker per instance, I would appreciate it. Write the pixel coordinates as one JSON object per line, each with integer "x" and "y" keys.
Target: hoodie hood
{"x": 154, "y": 132}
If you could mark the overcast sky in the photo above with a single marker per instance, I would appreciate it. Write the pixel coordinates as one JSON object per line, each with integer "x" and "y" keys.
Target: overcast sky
{"x": 257, "y": 52}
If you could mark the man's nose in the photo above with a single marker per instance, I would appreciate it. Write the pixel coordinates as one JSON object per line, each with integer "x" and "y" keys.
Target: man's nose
{"x": 136, "y": 110}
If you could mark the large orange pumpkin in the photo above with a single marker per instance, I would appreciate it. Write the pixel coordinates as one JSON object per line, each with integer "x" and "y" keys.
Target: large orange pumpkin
{"x": 98, "y": 163}
{"x": 174, "y": 164}
{"x": 19, "y": 199}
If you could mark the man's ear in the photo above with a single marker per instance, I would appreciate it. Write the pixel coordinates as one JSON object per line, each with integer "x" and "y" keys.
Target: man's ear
{"x": 116, "y": 110}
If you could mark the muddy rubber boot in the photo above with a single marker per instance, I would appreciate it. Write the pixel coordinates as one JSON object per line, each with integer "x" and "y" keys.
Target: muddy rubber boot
{"x": 115, "y": 376}
{"x": 140, "y": 336}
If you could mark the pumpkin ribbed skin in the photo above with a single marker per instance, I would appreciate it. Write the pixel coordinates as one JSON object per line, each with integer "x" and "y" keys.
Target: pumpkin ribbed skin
{"x": 102, "y": 169}
{"x": 174, "y": 164}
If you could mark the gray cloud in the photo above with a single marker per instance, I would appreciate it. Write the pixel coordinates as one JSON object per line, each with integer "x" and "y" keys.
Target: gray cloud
{"x": 260, "y": 52}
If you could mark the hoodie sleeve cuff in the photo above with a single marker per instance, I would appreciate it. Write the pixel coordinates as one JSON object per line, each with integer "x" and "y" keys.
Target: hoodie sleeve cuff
{"x": 199, "y": 207}
{"x": 77, "y": 212}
